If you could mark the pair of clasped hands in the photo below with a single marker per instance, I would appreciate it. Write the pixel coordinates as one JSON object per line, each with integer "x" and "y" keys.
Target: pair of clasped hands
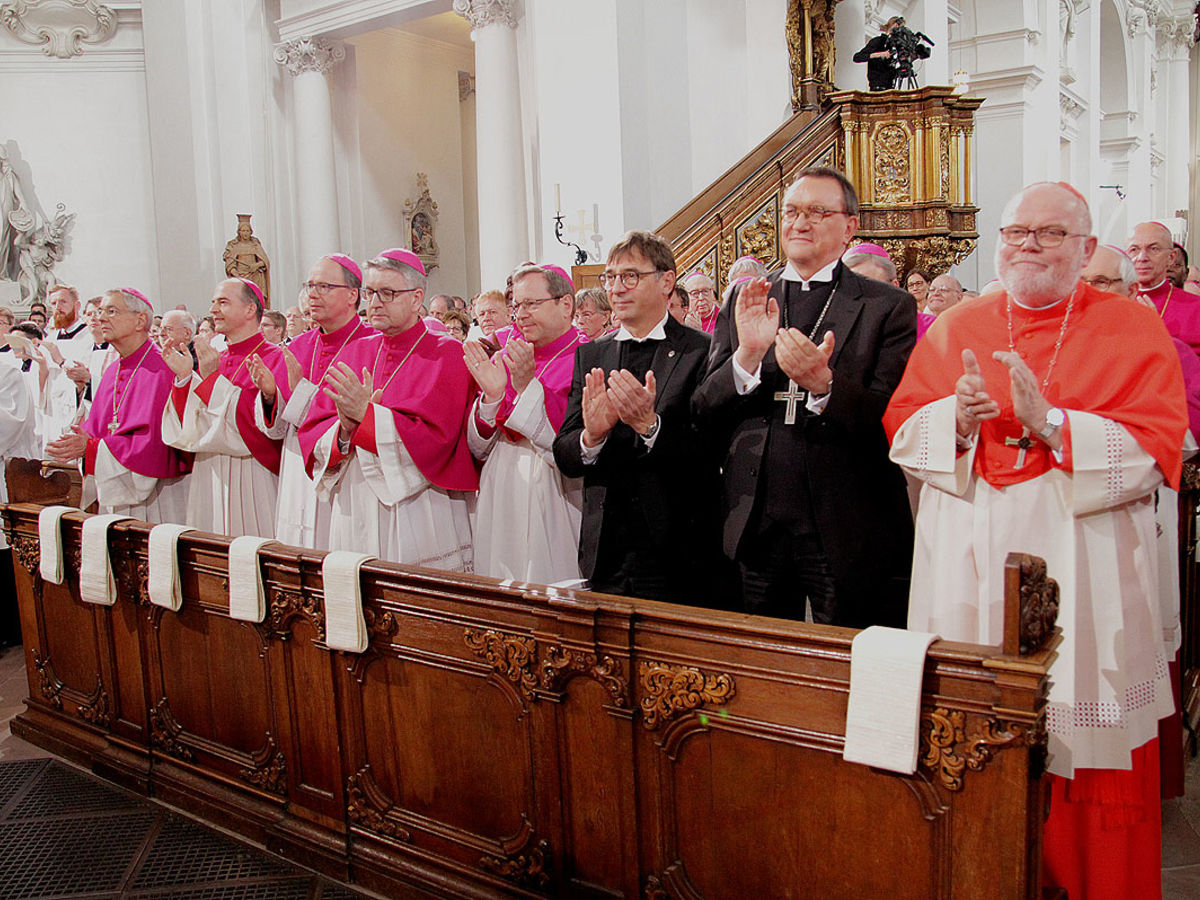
{"x": 756, "y": 316}
{"x": 351, "y": 395}
{"x": 622, "y": 399}
{"x": 973, "y": 405}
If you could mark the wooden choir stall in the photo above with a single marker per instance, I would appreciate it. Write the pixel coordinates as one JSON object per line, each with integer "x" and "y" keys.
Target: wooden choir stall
{"x": 515, "y": 740}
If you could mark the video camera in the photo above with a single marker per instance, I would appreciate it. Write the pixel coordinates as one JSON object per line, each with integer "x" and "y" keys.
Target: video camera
{"x": 906, "y": 46}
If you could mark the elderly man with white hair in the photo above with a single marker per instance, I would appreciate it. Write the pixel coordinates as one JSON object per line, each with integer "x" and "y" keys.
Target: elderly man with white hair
{"x": 1029, "y": 438}
{"x": 120, "y": 441}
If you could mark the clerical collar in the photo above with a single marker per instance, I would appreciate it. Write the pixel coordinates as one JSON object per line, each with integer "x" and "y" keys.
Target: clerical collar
{"x": 821, "y": 276}
{"x": 1151, "y": 290}
{"x": 657, "y": 333}
{"x": 1035, "y": 309}
{"x": 65, "y": 334}
{"x": 331, "y": 336}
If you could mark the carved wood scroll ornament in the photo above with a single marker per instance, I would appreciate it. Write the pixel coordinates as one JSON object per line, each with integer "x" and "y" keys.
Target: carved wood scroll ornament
{"x": 368, "y": 808}
{"x": 947, "y": 750}
{"x": 531, "y": 666}
{"x": 527, "y": 869}
{"x": 671, "y": 690}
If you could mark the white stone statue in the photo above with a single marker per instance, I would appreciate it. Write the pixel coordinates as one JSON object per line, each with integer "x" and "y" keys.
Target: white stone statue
{"x": 12, "y": 205}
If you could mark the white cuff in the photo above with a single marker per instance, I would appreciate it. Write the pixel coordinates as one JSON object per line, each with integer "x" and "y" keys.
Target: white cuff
{"x": 744, "y": 382}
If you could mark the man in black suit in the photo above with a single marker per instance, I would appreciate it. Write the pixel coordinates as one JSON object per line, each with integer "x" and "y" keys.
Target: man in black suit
{"x": 649, "y": 511}
{"x": 802, "y": 366}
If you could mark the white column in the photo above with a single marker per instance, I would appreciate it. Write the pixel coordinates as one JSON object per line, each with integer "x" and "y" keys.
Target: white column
{"x": 309, "y": 60}
{"x": 1175, "y": 43}
{"x": 503, "y": 222}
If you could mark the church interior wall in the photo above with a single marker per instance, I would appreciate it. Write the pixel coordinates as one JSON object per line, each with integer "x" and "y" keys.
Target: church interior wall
{"x": 408, "y": 121}
{"x": 577, "y": 132}
{"x": 76, "y": 133}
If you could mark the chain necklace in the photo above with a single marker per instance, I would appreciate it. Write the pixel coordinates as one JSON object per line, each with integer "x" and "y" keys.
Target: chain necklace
{"x": 245, "y": 359}
{"x": 812, "y": 335}
{"x": 118, "y": 401}
{"x": 375, "y": 365}
{"x": 1062, "y": 333}
{"x": 538, "y": 375}
{"x": 317, "y": 351}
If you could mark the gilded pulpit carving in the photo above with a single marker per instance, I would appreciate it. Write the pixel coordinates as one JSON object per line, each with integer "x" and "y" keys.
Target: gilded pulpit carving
{"x": 812, "y": 50}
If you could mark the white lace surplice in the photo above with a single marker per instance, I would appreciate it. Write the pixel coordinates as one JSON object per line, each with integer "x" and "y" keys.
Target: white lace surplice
{"x": 1095, "y": 529}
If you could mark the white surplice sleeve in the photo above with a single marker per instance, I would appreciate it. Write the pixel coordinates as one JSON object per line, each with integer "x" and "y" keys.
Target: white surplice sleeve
{"x": 1109, "y": 467}
{"x": 206, "y": 427}
{"x": 117, "y": 485}
{"x": 391, "y": 474}
{"x": 529, "y": 419}
{"x": 925, "y": 446}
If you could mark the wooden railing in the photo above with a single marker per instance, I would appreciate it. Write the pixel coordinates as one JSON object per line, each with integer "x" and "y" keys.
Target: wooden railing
{"x": 512, "y": 740}
{"x": 908, "y": 153}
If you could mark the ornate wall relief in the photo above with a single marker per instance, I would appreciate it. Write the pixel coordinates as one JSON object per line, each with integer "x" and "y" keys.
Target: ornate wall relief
{"x": 892, "y": 150}
{"x": 59, "y": 27}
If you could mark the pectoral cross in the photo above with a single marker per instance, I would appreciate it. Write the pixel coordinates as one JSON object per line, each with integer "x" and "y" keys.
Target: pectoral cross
{"x": 1023, "y": 442}
{"x": 792, "y": 396}
{"x": 113, "y": 426}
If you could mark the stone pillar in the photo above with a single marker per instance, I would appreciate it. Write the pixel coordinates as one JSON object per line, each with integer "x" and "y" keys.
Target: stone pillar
{"x": 503, "y": 221}
{"x": 1174, "y": 49}
{"x": 309, "y": 60}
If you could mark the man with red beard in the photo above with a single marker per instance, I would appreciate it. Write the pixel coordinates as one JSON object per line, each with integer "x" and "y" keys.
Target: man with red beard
{"x": 68, "y": 343}
{"x": 386, "y": 440}
{"x": 1027, "y": 438}
{"x": 235, "y": 481}
{"x": 527, "y": 525}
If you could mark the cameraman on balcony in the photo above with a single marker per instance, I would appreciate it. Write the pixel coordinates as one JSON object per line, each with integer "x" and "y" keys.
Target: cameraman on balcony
{"x": 878, "y": 55}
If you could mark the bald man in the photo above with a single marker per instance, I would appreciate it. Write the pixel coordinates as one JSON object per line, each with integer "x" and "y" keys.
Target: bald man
{"x": 1150, "y": 247}
{"x": 944, "y": 292}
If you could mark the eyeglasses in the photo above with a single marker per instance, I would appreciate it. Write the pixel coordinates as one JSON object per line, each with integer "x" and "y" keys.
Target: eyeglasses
{"x": 700, "y": 293}
{"x": 813, "y": 214}
{"x": 530, "y": 305}
{"x": 321, "y": 288}
{"x": 1151, "y": 250}
{"x": 386, "y": 295}
{"x": 1099, "y": 281}
{"x": 1048, "y": 237}
{"x": 110, "y": 312}
{"x": 628, "y": 279}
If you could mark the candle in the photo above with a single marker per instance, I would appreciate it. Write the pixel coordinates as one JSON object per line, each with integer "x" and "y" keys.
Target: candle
{"x": 557, "y": 199}
{"x": 595, "y": 218}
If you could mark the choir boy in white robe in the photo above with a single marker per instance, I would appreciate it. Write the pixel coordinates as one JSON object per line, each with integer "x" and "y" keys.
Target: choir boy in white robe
{"x": 386, "y": 441}
{"x": 528, "y": 518}
{"x": 234, "y": 483}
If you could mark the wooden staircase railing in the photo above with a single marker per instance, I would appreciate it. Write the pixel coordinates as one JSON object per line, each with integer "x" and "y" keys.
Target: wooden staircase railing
{"x": 908, "y": 153}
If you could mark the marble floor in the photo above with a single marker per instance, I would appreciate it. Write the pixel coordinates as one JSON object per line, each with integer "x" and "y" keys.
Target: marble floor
{"x": 1181, "y": 817}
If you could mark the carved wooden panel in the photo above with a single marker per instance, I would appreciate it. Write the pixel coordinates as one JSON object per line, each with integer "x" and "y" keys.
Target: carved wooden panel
{"x": 496, "y": 740}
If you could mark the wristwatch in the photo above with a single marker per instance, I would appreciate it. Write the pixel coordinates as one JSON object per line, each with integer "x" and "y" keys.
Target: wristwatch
{"x": 1055, "y": 418}
{"x": 652, "y": 430}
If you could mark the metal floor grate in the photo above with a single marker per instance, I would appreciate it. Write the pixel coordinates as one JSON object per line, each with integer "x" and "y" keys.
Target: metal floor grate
{"x": 65, "y": 834}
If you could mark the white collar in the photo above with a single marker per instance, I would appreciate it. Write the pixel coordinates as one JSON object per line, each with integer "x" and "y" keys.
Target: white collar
{"x": 821, "y": 276}
{"x": 1155, "y": 288}
{"x": 657, "y": 333}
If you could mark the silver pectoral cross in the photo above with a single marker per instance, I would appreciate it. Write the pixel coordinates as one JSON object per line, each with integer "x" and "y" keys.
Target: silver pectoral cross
{"x": 1023, "y": 442}
{"x": 792, "y": 396}
{"x": 113, "y": 426}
